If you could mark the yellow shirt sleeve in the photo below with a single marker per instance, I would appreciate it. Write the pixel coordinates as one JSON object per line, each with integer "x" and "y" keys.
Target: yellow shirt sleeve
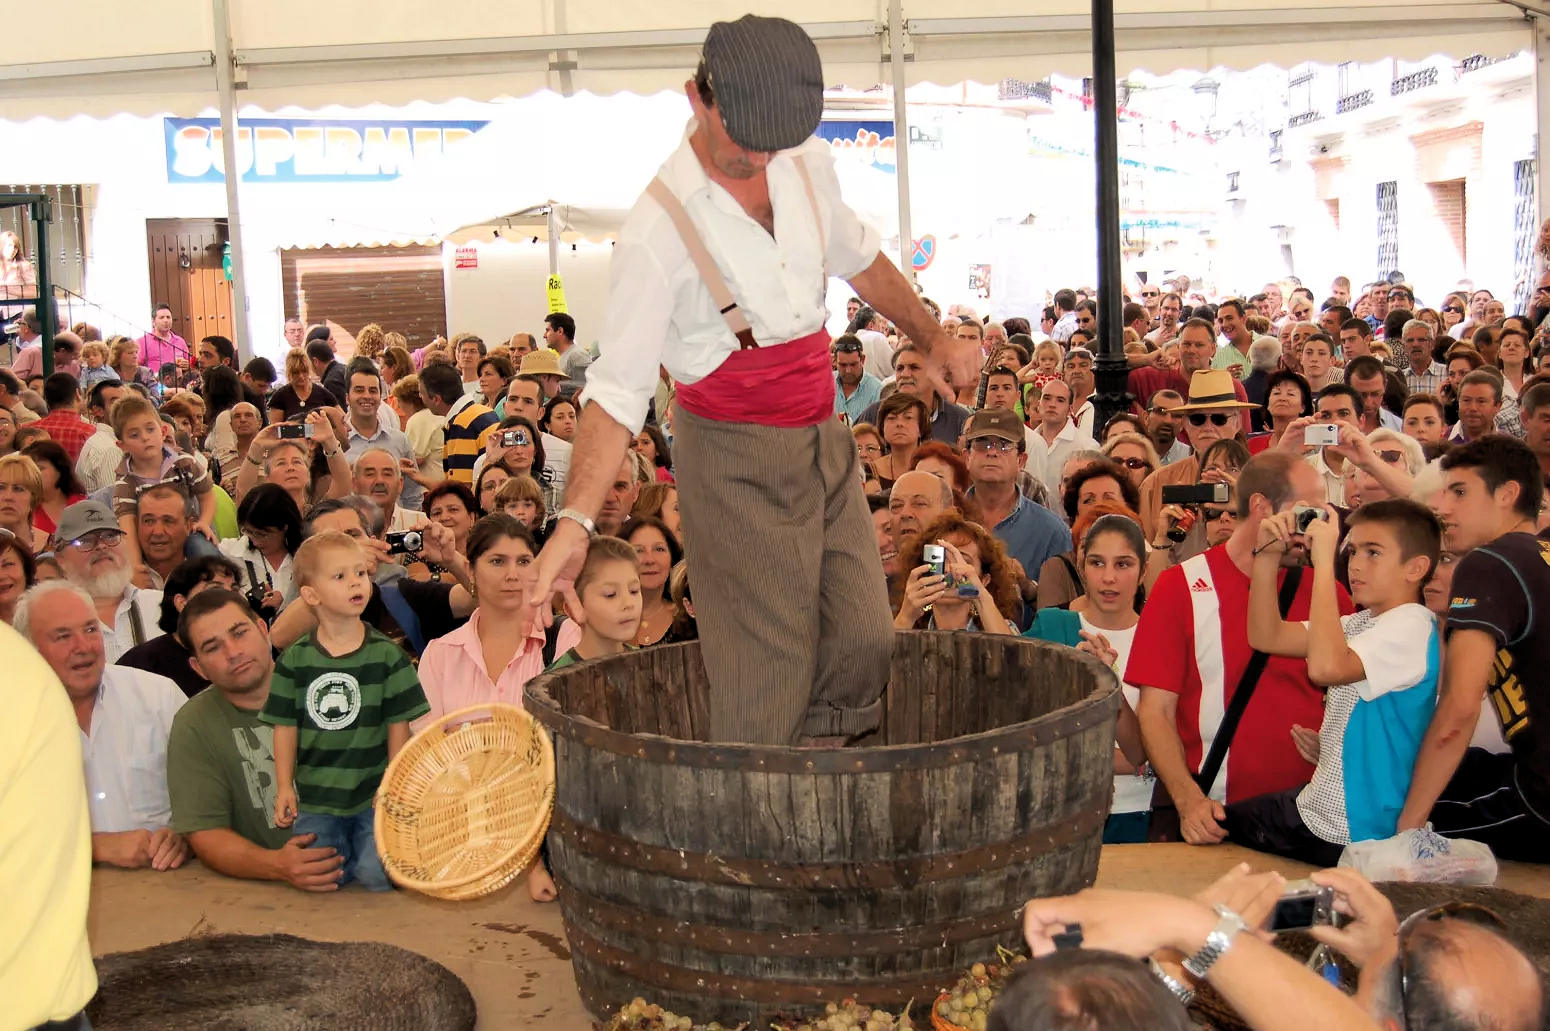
{"x": 46, "y": 970}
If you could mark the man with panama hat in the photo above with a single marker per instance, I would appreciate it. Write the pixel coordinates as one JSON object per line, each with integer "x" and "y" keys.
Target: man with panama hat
{"x": 1211, "y": 412}
{"x": 719, "y": 276}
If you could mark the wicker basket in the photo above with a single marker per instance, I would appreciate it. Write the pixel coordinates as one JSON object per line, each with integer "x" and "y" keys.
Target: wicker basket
{"x": 464, "y": 806}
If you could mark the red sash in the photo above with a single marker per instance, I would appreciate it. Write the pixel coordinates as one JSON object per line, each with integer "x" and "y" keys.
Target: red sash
{"x": 785, "y": 385}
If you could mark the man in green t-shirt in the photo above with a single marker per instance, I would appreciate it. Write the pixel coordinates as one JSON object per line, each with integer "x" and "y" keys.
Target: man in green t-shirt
{"x": 220, "y": 762}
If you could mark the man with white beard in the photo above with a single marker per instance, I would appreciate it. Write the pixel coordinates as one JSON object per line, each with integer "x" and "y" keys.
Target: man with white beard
{"x": 91, "y": 553}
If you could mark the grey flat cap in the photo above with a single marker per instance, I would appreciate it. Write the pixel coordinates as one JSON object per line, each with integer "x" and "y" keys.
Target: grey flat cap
{"x": 767, "y": 80}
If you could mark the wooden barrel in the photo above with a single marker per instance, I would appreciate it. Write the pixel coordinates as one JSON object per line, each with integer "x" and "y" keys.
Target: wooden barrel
{"x": 740, "y": 883}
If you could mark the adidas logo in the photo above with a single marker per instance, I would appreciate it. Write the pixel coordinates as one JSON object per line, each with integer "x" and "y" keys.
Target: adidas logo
{"x": 1200, "y": 586}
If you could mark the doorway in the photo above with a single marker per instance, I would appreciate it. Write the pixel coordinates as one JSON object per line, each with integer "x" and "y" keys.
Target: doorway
{"x": 185, "y": 262}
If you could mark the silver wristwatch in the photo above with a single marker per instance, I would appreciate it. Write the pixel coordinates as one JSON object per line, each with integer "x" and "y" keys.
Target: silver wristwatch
{"x": 1217, "y": 942}
{"x": 1181, "y": 991}
{"x": 578, "y": 517}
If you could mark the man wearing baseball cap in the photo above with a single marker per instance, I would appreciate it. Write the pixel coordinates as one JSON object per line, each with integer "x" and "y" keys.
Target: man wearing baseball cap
{"x": 91, "y": 552}
{"x": 719, "y": 276}
{"x": 994, "y": 440}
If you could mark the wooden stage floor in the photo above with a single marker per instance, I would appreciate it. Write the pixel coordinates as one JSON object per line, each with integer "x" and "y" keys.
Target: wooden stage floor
{"x": 510, "y": 951}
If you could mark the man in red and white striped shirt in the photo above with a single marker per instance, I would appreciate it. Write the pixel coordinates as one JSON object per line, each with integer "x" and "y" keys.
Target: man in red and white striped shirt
{"x": 1190, "y": 651}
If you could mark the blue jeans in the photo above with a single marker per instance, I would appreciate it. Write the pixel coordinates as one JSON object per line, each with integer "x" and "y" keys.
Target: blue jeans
{"x": 353, "y": 838}
{"x": 198, "y": 546}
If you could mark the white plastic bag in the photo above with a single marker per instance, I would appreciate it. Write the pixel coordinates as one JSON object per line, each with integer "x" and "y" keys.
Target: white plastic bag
{"x": 1423, "y": 856}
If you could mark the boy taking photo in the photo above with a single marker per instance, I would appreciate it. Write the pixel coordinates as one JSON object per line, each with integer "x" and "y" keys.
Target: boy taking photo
{"x": 1380, "y": 665}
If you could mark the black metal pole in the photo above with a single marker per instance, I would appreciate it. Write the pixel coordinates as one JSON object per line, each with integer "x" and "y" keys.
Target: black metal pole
{"x": 1110, "y": 368}
{"x": 45, "y": 303}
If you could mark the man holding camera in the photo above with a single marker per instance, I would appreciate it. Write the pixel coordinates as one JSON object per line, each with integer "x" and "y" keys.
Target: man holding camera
{"x": 1192, "y": 660}
{"x": 1211, "y": 412}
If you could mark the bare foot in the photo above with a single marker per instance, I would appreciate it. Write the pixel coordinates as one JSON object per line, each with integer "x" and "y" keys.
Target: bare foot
{"x": 540, "y": 886}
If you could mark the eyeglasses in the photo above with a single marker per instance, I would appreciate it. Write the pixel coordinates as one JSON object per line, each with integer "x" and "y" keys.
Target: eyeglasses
{"x": 848, "y": 348}
{"x": 1468, "y": 912}
{"x": 97, "y": 540}
{"x": 1133, "y": 463}
{"x": 1392, "y": 457}
{"x": 1213, "y": 514}
{"x": 1160, "y": 410}
{"x": 991, "y": 446}
{"x": 869, "y": 449}
{"x": 1216, "y": 418}
{"x": 1453, "y": 311}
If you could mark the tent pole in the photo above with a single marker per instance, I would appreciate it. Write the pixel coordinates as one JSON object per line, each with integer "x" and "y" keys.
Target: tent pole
{"x": 1541, "y": 27}
{"x": 1110, "y": 366}
{"x": 240, "y": 331}
{"x": 901, "y": 134}
{"x": 554, "y": 241}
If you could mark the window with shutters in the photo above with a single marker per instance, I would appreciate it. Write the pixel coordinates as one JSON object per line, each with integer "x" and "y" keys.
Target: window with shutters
{"x": 399, "y": 288}
{"x": 1388, "y": 228}
{"x": 1524, "y": 232}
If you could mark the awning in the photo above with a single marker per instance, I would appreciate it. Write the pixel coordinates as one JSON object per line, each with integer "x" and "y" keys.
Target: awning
{"x": 159, "y": 57}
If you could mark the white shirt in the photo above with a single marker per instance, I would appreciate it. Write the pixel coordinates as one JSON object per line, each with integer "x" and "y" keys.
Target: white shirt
{"x": 1132, "y": 794}
{"x": 1334, "y": 483}
{"x": 120, "y": 637}
{"x": 126, "y": 752}
{"x": 659, "y": 310}
{"x": 404, "y": 519}
{"x": 256, "y": 570}
{"x": 98, "y": 464}
{"x": 879, "y": 356}
{"x": 1045, "y": 460}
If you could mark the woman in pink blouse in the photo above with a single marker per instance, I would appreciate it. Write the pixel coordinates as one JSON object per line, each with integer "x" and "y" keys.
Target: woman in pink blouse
{"x": 492, "y": 656}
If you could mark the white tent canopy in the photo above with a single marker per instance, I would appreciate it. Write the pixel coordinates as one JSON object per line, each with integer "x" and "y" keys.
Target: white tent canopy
{"x": 160, "y": 57}
{"x": 183, "y": 57}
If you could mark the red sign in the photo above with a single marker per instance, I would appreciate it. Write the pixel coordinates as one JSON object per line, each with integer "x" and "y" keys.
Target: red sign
{"x": 466, "y": 257}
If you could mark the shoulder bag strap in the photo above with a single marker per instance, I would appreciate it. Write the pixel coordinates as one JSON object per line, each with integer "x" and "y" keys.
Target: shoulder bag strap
{"x": 403, "y": 615}
{"x": 1245, "y": 690}
{"x": 136, "y": 627}
{"x": 703, "y": 263}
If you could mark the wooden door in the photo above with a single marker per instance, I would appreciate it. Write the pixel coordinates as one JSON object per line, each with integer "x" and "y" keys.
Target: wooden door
{"x": 185, "y": 262}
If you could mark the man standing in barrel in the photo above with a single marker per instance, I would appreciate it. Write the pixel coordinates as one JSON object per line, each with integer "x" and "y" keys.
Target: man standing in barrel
{"x": 719, "y": 275}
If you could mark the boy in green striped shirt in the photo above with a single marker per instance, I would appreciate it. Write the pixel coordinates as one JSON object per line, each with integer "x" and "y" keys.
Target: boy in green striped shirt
{"x": 340, "y": 701}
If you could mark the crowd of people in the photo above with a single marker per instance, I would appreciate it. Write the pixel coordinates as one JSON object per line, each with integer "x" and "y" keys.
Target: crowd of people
{"x": 1308, "y": 548}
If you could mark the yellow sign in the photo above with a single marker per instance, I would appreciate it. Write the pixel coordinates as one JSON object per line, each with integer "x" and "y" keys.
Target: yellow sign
{"x": 556, "y": 294}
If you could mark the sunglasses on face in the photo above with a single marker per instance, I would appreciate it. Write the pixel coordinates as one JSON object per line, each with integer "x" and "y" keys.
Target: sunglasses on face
{"x": 1216, "y": 418}
{"x": 1213, "y": 514}
{"x": 991, "y": 446}
{"x": 1392, "y": 457}
{"x": 1453, "y": 311}
{"x": 1133, "y": 463}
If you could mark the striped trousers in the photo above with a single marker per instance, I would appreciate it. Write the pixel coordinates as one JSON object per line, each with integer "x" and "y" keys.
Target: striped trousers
{"x": 788, "y": 585}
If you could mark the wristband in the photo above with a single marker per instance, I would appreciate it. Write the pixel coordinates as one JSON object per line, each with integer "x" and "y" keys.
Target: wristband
{"x": 256, "y": 462}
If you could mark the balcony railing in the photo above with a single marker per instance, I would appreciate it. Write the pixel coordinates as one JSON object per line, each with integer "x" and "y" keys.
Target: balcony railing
{"x": 1414, "y": 81}
{"x": 1305, "y": 118}
{"x": 1353, "y": 101}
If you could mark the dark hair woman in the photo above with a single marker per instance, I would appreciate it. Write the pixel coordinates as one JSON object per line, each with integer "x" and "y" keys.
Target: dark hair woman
{"x": 1287, "y": 399}
{"x": 60, "y": 487}
{"x": 657, "y": 550}
{"x": 905, "y": 424}
{"x": 1102, "y": 622}
{"x": 271, "y": 532}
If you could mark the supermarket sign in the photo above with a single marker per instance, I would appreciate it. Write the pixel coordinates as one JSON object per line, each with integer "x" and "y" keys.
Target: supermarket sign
{"x": 308, "y": 150}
